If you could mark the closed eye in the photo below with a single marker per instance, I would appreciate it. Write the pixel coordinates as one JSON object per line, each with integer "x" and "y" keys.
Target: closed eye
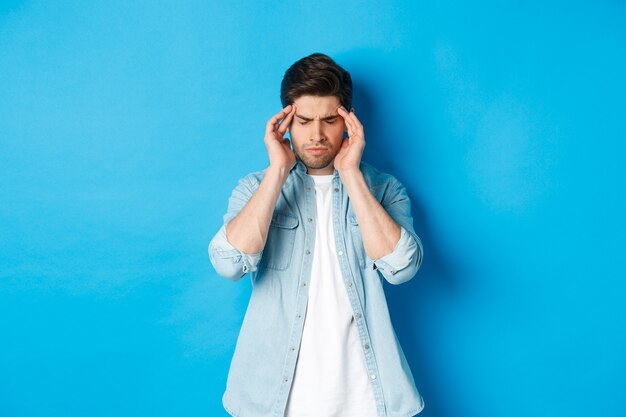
{"x": 330, "y": 122}
{"x": 328, "y": 119}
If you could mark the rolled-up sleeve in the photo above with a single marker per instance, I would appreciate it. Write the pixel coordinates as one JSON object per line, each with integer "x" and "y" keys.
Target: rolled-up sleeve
{"x": 402, "y": 263}
{"x": 227, "y": 260}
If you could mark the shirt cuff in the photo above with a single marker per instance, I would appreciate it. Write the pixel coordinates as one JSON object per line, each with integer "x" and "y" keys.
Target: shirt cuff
{"x": 227, "y": 252}
{"x": 399, "y": 258}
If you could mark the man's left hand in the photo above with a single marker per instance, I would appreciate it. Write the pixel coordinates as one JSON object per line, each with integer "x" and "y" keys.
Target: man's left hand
{"x": 349, "y": 156}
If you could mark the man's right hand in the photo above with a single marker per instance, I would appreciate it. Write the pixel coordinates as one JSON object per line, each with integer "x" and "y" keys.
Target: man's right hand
{"x": 278, "y": 147}
{"x": 248, "y": 230}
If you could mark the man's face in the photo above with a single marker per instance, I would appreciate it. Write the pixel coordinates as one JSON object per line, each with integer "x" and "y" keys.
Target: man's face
{"x": 317, "y": 132}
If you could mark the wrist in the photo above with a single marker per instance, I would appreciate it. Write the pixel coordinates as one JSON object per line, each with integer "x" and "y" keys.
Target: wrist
{"x": 277, "y": 173}
{"x": 350, "y": 174}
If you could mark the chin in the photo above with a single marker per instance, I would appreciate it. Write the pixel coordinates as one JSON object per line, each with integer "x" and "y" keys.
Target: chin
{"x": 316, "y": 163}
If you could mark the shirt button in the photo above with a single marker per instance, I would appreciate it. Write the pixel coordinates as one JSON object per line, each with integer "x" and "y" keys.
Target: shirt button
{"x": 298, "y": 316}
{"x": 373, "y": 376}
{"x": 358, "y": 315}
{"x": 393, "y": 271}
{"x": 308, "y": 252}
{"x": 366, "y": 347}
{"x": 349, "y": 284}
{"x": 293, "y": 348}
{"x": 245, "y": 268}
{"x": 310, "y": 219}
{"x": 308, "y": 188}
{"x": 285, "y": 380}
{"x": 336, "y": 190}
{"x": 340, "y": 252}
{"x": 304, "y": 284}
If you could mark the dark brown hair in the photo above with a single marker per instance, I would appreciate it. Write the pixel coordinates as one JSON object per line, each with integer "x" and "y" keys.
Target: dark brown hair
{"x": 316, "y": 75}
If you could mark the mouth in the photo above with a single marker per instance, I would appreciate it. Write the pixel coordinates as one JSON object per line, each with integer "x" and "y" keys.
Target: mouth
{"x": 316, "y": 150}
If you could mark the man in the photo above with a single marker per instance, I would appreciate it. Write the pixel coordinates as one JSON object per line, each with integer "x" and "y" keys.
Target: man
{"x": 318, "y": 230}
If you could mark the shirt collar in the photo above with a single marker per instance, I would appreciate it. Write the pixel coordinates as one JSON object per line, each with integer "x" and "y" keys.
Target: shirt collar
{"x": 300, "y": 168}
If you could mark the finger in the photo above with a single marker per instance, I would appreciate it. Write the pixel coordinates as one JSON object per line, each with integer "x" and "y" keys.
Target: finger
{"x": 279, "y": 128}
{"x": 342, "y": 111}
{"x": 271, "y": 123}
{"x": 287, "y": 121}
{"x": 356, "y": 129}
{"x": 356, "y": 120}
{"x": 346, "y": 117}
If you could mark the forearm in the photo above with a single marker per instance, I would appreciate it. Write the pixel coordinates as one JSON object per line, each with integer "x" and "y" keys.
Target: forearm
{"x": 379, "y": 231}
{"x": 248, "y": 230}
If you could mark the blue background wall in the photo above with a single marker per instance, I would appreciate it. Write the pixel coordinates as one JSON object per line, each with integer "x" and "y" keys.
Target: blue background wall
{"x": 124, "y": 127}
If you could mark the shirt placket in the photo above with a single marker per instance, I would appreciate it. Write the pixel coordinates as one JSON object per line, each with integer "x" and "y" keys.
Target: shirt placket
{"x": 310, "y": 213}
{"x": 359, "y": 315}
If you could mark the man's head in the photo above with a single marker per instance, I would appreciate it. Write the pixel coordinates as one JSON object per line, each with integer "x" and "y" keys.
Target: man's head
{"x": 317, "y": 86}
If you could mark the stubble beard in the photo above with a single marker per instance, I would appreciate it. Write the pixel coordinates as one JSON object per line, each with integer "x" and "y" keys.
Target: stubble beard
{"x": 315, "y": 162}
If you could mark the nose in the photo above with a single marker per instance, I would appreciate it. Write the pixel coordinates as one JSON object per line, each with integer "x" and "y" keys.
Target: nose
{"x": 317, "y": 132}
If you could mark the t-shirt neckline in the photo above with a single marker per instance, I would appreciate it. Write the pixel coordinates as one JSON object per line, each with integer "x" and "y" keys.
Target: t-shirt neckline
{"x": 322, "y": 179}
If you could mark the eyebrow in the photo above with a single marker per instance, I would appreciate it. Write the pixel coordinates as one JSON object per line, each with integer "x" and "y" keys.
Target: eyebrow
{"x": 328, "y": 117}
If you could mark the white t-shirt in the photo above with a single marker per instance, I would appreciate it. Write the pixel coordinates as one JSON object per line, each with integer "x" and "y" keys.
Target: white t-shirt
{"x": 330, "y": 379}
